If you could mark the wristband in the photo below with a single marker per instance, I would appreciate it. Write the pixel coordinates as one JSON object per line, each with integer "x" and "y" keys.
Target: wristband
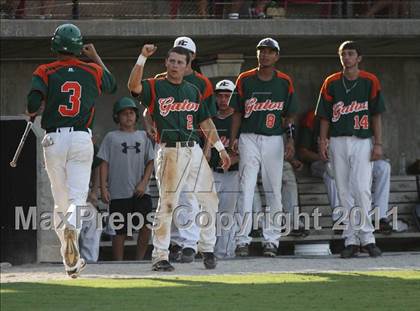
{"x": 219, "y": 146}
{"x": 141, "y": 60}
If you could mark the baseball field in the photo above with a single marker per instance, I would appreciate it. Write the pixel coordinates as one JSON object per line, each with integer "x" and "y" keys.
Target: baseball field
{"x": 377, "y": 290}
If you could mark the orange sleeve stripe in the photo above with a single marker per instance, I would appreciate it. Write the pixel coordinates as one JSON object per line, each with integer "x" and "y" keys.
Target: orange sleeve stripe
{"x": 324, "y": 89}
{"x": 152, "y": 83}
{"x": 308, "y": 120}
{"x": 242, "y": 76}
{"x": 40, "y": 72}
{"x": 95, "y": 70}
{"x": 286, "y": 77}
{"x": 208, "y": 88}
{"x": 376, "y": 86}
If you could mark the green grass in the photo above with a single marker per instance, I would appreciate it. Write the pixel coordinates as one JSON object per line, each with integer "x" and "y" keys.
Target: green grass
{"x": 384, "y": 290}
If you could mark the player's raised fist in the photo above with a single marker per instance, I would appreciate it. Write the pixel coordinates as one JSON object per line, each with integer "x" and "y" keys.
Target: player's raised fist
{"x": 148, "y": 50}
{"x": 89, "y": 50}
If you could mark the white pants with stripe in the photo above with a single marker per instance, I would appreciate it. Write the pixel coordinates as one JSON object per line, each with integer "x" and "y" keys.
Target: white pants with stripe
{"x": 227, "y": 186}
{"x": 350, "y": 159}
{"x": 177, "y": 167}
{"x": 265, "y": 152}
{"x": 381, "y": 179}
{"x": 68, "y": 163}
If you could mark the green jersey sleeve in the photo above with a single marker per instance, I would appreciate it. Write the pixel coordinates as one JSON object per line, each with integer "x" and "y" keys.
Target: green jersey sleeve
{"x": 325, "y": 101}
{"x": 146, "y": 97}
{"x": 108, "y": 82}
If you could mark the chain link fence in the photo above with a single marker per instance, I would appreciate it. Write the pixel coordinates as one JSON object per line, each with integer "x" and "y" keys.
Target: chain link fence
{"x": 208, "y": 9}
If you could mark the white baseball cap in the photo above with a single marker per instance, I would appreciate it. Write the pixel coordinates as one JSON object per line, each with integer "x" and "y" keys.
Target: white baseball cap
{"x": 269, "y": 43}
{"x": 186, "y": 43}
{"x": 224, "y": 85}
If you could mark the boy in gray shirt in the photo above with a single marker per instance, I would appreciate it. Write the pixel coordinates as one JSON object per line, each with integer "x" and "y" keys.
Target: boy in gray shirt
{"x": 125, "y": 172}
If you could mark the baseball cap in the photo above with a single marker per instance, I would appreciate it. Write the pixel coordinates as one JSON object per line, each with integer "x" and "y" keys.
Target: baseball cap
{"x": 270, "y": 43}
{"x": 224, "y": 85}
{"x": 186, "y": 43}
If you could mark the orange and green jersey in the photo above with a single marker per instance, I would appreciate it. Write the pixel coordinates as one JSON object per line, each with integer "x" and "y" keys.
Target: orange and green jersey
{"x": 204, "y": 86}
{"x": 176, "y": 109}
{"x": 223, "y": 126}
{"x": 69, "y": 89}
{"x": 350, "y": 105}
{"x": 263, "y": 104}
{"x": 309, "y": 132}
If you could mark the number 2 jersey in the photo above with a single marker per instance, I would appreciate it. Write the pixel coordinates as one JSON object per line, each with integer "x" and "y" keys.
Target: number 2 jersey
{"x": 349, "y": 105}
{"x": 69, "y": 89}
{"x": 176, "y": 109}
{"x": 263, "y": 104}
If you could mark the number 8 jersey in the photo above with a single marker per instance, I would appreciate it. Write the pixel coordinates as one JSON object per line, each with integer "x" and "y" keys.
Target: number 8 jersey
{"x": 69, "y": 89}
{"x": 263, "y": 104}
{"x": 349, "y": 105}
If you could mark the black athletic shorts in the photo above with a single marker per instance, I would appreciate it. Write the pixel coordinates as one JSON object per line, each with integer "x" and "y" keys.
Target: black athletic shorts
{"x": 132, "y": 205}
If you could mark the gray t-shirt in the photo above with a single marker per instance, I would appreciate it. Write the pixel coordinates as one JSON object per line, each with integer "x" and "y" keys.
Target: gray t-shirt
{"x": 127, "y": 154}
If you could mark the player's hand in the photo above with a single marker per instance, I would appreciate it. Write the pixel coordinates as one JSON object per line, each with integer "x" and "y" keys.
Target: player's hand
{"x": 140, "y": 189}
{"x": 31, "y": 115}
{"x": 148, "y": 50}
{"x": 296, "y": 164}
{"x": 90, "y": 51}
{"x": 225, "y": 159}
{"x": 290, "y": 149}
{"x": 376, "y": 153}
{"x": 323, "y": 150}
{"x": 93, "y": 197}
{"x": 105, "y": 196}
{"x": 234, "y": 146}
{"x": 152, "y": 133}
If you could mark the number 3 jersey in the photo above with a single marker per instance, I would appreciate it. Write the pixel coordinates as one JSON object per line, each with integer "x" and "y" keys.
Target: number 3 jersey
{"x": 263, "y": 104}
{"x": 349, "y": 105}
{"x": 69, "y": 89}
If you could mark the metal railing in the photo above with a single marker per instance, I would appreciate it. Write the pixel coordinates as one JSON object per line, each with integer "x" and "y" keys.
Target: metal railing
{"x": 208, "y": 9}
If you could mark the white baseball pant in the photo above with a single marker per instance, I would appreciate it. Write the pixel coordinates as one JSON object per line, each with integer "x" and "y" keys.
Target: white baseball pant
{"x": 266, "y": 152}
{"x": 381, "y": 179}
{"x": 175, "y": 168}
{"x": 227, "y": 187}
{"x": 68, "y": 163}
{"x": 90, "y": 235}
{"x": 350, "y": 159}
{"x": 184, "y": 230}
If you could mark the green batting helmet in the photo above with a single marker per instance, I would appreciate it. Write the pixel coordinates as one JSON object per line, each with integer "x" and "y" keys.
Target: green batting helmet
{"x": 121, "y": 104}
{"x": 67, "y": 39}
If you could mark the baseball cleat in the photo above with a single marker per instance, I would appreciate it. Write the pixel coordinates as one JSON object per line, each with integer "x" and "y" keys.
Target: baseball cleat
{"x": 270, "y": 250}
{"x": 75, "y": 273}
{"x": 385, "y": 226}
{"x": 242, "y": 250}
{"x": 71, "y": 252}
{"x": 209, "y": 260}
{"x": 175, "y": 253}
{"x": 373, "y": 250}
{"x": 188, "y": 255}
{"x": 350, "y": 251}
{"x": 163, "y": 265}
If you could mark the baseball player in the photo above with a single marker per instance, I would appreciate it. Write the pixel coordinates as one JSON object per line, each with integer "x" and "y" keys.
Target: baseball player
{"x": 381, "y": 174}
{"x": 263, "y": 97}
{"x": 350, "y": 106}
{"x": 227, "y": 183}
{"x": 176, "y": 108}
{"x": 184, "y": 238}
{"x": 69, "y": 87}
{"x": 127, "y": 165}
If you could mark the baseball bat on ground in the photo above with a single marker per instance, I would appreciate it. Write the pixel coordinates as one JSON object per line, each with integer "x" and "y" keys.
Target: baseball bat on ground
{"x": 13, "y": 163}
